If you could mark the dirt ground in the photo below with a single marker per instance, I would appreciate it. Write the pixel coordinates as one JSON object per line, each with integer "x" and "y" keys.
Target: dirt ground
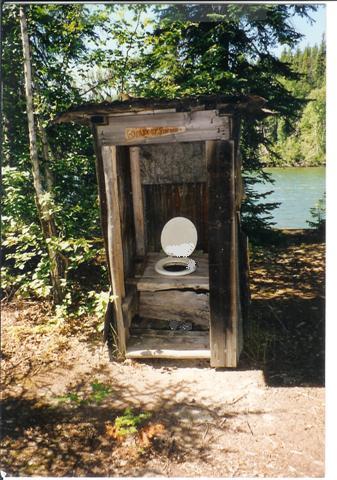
{"x": 62, "y": 395}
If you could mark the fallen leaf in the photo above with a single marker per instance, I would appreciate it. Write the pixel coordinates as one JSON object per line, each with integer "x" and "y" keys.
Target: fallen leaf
{"x": 150, "y": 431}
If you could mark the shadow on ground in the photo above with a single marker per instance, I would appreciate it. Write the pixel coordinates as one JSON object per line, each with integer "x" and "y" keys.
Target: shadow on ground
{"x": 284, "y": 337}
{"x": 72, "y": 439}
{"x": 285, "y": 334}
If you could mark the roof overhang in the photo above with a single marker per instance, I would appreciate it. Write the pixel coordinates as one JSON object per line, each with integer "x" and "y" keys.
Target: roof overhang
{"x": 227, "y": 105}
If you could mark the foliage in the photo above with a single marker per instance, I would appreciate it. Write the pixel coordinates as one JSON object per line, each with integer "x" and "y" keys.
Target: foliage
{"x": 59, "y": 38}
{"x": 128, "y": 423}
{"x": 99, "y": 392}
{"x": 123, "y": 42}
{"x": 318, "y": 213}
{"x": 303, "y": 144}
{"x": 203, "y": 49}
{"x": 81, "y": 53}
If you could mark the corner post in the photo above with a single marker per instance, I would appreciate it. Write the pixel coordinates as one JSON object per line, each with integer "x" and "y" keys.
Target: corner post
{"x": 114, "y": 241}
{"x": 222, "y": 248}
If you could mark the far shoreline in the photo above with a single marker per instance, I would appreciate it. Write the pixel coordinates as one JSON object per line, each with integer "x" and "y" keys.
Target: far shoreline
{"x": 294, "y": 166}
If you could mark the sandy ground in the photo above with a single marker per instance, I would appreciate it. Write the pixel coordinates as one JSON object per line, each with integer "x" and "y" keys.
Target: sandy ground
{"x": 217, "y": 423}
{"x": 223, "y": 423}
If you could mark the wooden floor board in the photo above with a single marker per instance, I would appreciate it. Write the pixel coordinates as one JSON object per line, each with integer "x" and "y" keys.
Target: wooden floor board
{"x": 168, "y": 344}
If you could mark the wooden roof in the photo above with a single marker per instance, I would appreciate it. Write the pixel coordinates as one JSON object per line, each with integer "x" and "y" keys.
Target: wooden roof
{"x": 253, "y": 105}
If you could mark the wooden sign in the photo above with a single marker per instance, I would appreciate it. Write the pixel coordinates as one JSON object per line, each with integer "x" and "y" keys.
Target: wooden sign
{"x": 172, "y": 127}
{"x": 143, "y": 132}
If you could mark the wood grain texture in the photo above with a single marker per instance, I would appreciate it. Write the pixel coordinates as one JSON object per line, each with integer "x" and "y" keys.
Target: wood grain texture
{"x": 244, "y": 274}
{"x": 193, "y": 335}
{"x": 126, "y": 210}
{"x": 137, "y": 198}
{"x": 175, "y": 305}
{"x": 196, "y": 126}
{"x": 234, "y": 104}
{"x": 115, "y": 251}
{"x": 130, "y": 307}
{"x": 173, "y": 163}
{"x": 222, "y": 254}
{"x": 169, "y": 345}
{"x": 151, "y": 281}
{"x": 239, "y": 293}
{"x": 165, "y": 201}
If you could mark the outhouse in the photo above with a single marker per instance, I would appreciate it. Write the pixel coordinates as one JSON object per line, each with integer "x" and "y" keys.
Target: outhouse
{"x": 159, "y": 159}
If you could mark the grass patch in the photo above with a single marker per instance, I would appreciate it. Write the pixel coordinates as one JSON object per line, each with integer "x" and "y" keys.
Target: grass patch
{"x": 99, "y": 392}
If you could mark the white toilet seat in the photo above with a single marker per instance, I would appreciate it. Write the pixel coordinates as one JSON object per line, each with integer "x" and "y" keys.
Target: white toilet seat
{"x": 178, "y": 239}
{"x": 190, "y": 266}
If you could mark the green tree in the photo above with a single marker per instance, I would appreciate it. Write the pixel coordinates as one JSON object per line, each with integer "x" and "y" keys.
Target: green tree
{"x": 60, "y": 39}
{"x": 42, "y": 195}
{"x": 203, "y": 49}
{"x": 304, "y": 145}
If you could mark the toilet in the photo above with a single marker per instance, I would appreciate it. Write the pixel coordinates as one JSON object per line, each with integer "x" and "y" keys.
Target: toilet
{"x": 178, "y": 239}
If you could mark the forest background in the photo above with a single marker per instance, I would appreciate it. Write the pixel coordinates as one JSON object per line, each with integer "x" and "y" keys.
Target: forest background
{"x": 81, "y": 54}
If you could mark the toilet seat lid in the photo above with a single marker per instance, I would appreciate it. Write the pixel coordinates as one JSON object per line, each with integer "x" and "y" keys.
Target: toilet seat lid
{"x": 179, "y": 237}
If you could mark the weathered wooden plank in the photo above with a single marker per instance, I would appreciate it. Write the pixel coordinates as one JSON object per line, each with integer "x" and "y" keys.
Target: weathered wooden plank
{"x": 200, "y": 272}
{"x": 110, "y": 320}
{"x": 237, "y": 339}
{"x": 227, "y": 104}
{"x": 199, "y": 254}
{"x": 165, "y": 201}
{"x": 149, "y": 280}
{"x": 130, "y": 307}
{"x": 244, "y": 273}
{"x": 222, "y": 258}
{"x": 126, "y": 210}
{"x": 115, "y": 250}
{"x": 167, "y": 352}
{"x": 175, "y": 305}
{"x": 152, "y": 129}
{"x": 148, "y": 323}
{"x": 137, "y": 198}
{"x": 188, "y": 136}
{"x": 101, "y": 192}
{"x": 173, "y": 163}
{"x": 164, "y": 283}
{"x": 116, "y": 210}
{"x": 239, "y": 186}
{"x": 179, "y": 345}
{"x": 192, "y": 120}
{"x": 191, "y": 335}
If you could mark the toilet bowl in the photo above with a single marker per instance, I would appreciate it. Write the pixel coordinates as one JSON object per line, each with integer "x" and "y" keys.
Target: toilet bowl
{"x": 178, "y": 239}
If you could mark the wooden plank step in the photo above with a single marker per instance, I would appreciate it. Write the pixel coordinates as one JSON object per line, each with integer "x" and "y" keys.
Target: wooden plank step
{"x": 193, "y": 335}
{"x": 168, "y": 344}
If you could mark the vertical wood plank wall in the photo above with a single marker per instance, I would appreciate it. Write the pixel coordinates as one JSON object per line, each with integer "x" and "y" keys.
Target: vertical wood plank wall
{"x": 131, "y": 228}
{"x": 173, "y": 179}
{"x": 164, "y": 201}
{"x": 222, "y": 253}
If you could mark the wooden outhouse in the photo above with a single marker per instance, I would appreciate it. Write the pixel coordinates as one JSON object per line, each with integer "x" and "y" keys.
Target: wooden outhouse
{"x": 158, "y": 159}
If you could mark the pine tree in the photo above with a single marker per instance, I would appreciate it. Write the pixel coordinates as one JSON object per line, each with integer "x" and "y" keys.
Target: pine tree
{"x": 305, "y": 144}
{"x": 227, "y": 49}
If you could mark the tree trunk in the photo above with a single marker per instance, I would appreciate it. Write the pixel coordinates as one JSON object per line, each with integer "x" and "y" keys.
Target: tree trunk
{"x": 46, "y": 157}
{"x": 46, "y": 218}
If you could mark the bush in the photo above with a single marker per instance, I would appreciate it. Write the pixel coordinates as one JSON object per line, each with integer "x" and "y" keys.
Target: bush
{"x": 318, "y": 213}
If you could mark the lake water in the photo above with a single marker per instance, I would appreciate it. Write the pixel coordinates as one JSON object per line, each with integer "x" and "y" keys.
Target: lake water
{"x": 298, "y": 190}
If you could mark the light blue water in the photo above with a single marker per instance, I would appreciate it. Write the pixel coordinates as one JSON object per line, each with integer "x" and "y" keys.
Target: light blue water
{"x": 298, "y": 190}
